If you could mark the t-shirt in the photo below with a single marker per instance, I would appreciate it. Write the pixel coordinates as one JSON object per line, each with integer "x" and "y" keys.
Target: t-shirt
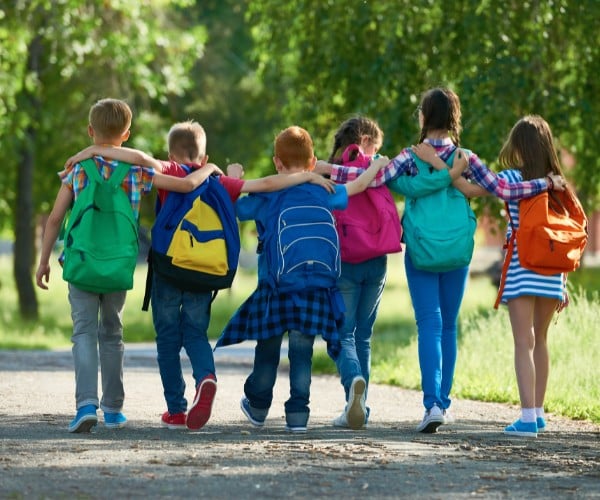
{"x": 232, "y": 185}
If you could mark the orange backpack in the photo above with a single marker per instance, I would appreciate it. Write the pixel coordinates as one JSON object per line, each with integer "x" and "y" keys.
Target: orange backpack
{"x": 552, "y": 235}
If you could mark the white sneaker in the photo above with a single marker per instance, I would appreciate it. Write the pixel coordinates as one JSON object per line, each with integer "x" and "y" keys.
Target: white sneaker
{"x": 356, "y": 411}
{"x": 448, "y": 417}
{"x": 341, "y": 421}
{"x": 432, "y": 419}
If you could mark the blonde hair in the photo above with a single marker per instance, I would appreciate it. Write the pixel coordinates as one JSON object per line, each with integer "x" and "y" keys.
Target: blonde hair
{"x": 187, "y": 140}
{"x": 110, "y": 118}
{"x": 294, "y": 147}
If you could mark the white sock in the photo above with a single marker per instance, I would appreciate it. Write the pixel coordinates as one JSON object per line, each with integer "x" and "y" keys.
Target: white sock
{"x": 539, "y": 412}
{"x": 528, "y": 415}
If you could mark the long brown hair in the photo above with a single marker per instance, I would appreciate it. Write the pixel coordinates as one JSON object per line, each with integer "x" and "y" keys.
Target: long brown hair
{"x": 350, "y": 132}
{"x": 530, "y": 147}
{"x": 441, "y": 111}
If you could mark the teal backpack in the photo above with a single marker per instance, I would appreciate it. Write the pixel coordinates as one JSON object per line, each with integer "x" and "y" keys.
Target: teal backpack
{"x": 101, "y": 234}
{"x": 439, "y": 228}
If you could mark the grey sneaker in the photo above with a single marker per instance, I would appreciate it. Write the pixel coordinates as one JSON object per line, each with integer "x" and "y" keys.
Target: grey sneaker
{"x": 355, "y": 410}
{"x": 432, "y": 419}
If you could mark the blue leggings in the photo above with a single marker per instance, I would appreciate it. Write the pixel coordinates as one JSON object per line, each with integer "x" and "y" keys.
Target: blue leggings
{"x": 436, "y": 299}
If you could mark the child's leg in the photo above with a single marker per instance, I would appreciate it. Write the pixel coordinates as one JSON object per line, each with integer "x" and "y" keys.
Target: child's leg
{"x": 84, "y": 312}
{"x": 166, "y": 315}
{"x": 110, "y": 342}
{"x": 543, "y": 313}
{"x": 521, "y": 313}
{"x": 195, "y": 317}
{"x": 300, "y": 350}
{"x": 258, "y": 387}
{"x": 452, "y": 287}
{"x": 424, "y": 288}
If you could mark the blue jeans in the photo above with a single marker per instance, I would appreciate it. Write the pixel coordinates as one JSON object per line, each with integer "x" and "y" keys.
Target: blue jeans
{"x": 361, "y": 286}
{"x": 181, "y": 320}
{"x": 436, "y": 299}
{"x": 98, "y": 337}
{"x": 259, "y": 385}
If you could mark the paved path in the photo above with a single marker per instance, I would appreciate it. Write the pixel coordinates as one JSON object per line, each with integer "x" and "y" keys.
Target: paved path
{"x": 228, "y": 458}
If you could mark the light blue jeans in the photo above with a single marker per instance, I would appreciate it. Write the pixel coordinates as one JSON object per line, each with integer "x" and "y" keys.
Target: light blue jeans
{"x": 98, "y": 335}
{"x": 259, "y": 384}
{"x": 361, "y": 286}
{"x": 181, "y": 321}
{"x": 436, "y": 299}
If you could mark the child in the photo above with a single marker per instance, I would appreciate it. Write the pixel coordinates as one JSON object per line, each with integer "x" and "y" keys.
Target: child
{"x": 181, "y": 317}
{"x": 97, "y": 325}
{"x": 361, "y": 285}
{"x": 532, "y": 298}
{"x": 436, "y": 296}
{"x": 266, "y": 315}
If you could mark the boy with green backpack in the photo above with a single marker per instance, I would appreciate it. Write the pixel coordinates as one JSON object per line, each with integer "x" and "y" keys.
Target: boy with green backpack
{"x": 99, "y": 258}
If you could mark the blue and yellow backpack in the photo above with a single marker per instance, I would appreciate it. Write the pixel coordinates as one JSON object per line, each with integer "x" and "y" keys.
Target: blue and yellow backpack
{"x": 195, "y": 240}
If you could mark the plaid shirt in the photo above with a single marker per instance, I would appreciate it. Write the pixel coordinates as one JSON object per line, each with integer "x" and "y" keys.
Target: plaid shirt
{"x": 137, "y": 183}
{"x": 477, "y": 171}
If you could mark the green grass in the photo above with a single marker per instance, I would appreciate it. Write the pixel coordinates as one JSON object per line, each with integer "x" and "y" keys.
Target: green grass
{"x": 485, "y": 360}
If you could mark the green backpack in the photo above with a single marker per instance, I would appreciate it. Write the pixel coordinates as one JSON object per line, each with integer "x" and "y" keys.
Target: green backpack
{"x": 439, "y": 228}
{"x": 101, "y": 234}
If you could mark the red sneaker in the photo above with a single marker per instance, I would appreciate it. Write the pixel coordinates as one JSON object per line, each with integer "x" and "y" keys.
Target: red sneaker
{"x": 176, "y": 421}
{"x": 199, "y": 413}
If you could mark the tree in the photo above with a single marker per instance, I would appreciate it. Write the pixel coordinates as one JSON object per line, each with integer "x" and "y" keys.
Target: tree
{"x": 505, "y": 59}
{"x": 59, "y": 56}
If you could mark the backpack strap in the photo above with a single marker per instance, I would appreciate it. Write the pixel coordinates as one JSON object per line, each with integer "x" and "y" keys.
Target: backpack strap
{"x": 91, "y": 170}
{"x": 149, "y": 277}
{"x": 509, "y": 246}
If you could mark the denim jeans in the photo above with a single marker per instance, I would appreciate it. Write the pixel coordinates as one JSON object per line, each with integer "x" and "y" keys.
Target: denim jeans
{"x": 436, "y": 299}
{"x": 181, "y": 320}
{"x": 98, "y": 335}
{"x": 259, "y": 385}
{"x": 361, "y": 286}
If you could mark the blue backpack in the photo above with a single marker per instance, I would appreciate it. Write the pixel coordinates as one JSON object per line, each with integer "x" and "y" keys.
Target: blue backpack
{"x": 300, "y": 240}
{"x": 195, "y": 240}
{"x": 439, "y": 228}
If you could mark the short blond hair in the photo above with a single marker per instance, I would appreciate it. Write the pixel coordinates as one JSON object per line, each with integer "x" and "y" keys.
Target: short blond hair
{"x": 187, "y": 140}
{"x": 110, "y": 118}
{"x": 294, "y": 147}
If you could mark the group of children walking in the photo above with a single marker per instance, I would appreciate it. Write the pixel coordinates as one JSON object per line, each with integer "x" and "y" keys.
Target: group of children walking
{"x": 342, "y": 311}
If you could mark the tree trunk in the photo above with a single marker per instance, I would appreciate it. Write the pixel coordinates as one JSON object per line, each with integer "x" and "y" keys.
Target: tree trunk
{"x": 25, "y": 244}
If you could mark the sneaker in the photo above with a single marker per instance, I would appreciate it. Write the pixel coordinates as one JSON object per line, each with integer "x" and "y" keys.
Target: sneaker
{"x": 297, "y": 429}
{"x": 114, "y": 420}
{"x": 84, "y": 420}
{"x": 432, "y": 419}
{"x": 341, "y": 421}
{"x": 247, "y": 410}
{"x": 199, "y": 413}
{"x": 522, "y": 429}
{"x": 541, "y": 424}
{"x": 173, "y": 421}
{"x": 355, "y": 410}
{"x": 448, "y": 417}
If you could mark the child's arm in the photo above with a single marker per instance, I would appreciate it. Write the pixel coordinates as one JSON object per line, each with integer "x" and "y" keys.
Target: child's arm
{"x": 63, "y": 201}
{"x": 469, "y": 189}
{"x": 281, "y": 181}
{"x": 187, "y": 183}
{"x": 362, "y": 182}
{"x": 126, "y": 155}
{"x": 426, "y": 152}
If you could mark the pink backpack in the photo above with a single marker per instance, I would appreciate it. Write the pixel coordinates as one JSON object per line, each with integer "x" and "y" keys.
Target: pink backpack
{"x": 370, "y": 226}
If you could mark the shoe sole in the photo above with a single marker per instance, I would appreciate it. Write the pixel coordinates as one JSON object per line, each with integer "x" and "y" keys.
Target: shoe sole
{"x": 251, "y": 419}
{"x": 355, "y": 415}
{"x": 431, "y": 427}
{"x": 115, "y": 425}
{"x": 84, "y": 424}
{"x": 199, "y": 413}
{"x": 521, "y": 434}
{"x": 296, "y": 430}
{"x": 174, "y": 427}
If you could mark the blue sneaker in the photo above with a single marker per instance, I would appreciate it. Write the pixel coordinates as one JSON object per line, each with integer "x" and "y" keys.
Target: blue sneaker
{"x": 84, "y": 420}
{"x": 114, "y": 420}
{"x": 541, "y": 424}
{"x": 255, "y": 420}
{"x": 522, "y": 429}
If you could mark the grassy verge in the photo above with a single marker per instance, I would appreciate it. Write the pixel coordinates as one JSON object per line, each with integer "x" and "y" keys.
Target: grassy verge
{"x": 485, "y": 363}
